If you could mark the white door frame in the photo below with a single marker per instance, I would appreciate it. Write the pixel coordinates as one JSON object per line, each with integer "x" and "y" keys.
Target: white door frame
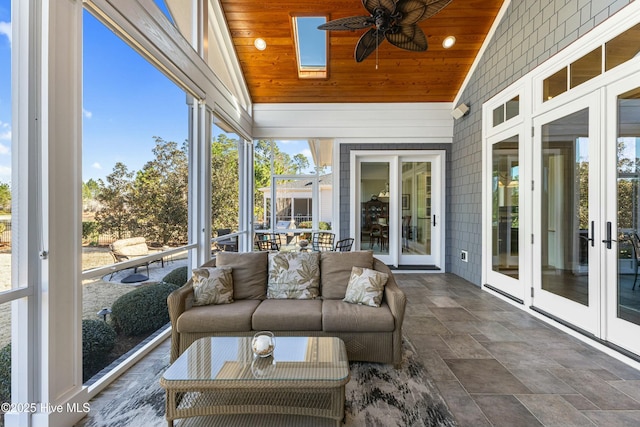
{"x": 394, "y": 158}
{"x": 587, "y": 317}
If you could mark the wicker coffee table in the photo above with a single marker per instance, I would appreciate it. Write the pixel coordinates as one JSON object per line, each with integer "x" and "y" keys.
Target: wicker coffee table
{"x": 220, "y": 376}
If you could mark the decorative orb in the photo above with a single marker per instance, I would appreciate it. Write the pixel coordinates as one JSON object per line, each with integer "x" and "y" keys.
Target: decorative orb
{"x": 263, "y": 344}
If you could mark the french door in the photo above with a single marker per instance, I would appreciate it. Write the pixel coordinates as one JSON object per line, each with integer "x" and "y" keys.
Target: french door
{"x": 622, "y": 209}
{"x": 587, "y": 213}
{"x": 397, "y": 210}
{"x": 567, "y": 204}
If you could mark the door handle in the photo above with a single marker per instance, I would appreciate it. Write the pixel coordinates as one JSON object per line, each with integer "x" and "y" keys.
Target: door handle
{"x": 434, "y": 220}
{"x": 592, "y": 239}
{"x": 608, "y": 240}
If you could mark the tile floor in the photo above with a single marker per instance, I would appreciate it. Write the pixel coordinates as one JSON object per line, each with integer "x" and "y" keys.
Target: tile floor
{"x": 496, "y": 365}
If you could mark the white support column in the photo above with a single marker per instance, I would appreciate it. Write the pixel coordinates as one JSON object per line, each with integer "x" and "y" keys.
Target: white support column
{"x": 25, "y": 242}
{"x": 199, "y": 183}
{"x": 245, "y": 169}
{"x": 52, "y": 135}
{"x": 206, "y": 122}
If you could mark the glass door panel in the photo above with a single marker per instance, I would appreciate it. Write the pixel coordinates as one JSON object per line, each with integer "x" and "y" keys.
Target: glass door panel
{"x": 374, "y": 207}
{"x": 565, "y": 207}
{"x": 416, "y": 208}
{"x": 505, "y": 207}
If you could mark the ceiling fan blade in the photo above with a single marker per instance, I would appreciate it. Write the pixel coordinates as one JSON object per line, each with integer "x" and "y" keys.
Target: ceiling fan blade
{"x": 368, "y": 43}
{"x": 349, "y": 23}
{"x": 372, "y": 5}
{"x": 413, "y": 11}
{"x": 408, "y": 37}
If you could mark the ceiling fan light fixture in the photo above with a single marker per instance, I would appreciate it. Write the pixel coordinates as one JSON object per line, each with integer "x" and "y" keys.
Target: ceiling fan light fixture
{"x": 392, "y": 20}
{"x": 448, "y": 42}
{"x": 260, "y": 43}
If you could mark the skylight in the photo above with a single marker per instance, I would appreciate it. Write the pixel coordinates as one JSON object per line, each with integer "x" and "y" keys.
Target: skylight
{"x": 311, "y": 46}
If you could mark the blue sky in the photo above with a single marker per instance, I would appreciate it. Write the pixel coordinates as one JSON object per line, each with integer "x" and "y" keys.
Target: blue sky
{"x": 5, "y": 92}
{"x": 126, "y": 102}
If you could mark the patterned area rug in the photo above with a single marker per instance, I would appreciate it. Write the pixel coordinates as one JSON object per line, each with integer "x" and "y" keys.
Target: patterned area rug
{"x": 379, "y": 395}
{"x": 376, "y": 396}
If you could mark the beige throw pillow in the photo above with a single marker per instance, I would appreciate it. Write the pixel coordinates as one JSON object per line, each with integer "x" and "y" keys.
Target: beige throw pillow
{"x": 294, "y": 275}
{"x": 366, "y": 287}
{"x": 212, "y": 286}
{"x": 335, "y": 268}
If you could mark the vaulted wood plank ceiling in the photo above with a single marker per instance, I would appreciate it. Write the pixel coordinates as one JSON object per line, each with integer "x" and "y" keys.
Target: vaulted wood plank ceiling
{"x": 402, "y": 76}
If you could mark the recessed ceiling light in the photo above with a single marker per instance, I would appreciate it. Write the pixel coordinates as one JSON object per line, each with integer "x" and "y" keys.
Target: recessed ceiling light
{"x": 260, "y": 44}
{"x": 448, "y": 42}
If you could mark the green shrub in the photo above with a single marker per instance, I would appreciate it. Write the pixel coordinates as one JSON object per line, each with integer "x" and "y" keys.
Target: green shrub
{"x": 3, "y": 227}
{"x": 89, "y": 231}
{"x": 98, "y": 339}
{"x": 5, "y": 373}
{"x": 142, "y": 310}
{"x": 177, "y": 276}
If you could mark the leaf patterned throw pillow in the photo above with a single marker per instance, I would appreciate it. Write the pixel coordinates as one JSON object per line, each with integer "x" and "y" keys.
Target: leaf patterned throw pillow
{"x": 294, "y": 275}
{"x": 365, "y": 287}
{"x": 212, "y": 286}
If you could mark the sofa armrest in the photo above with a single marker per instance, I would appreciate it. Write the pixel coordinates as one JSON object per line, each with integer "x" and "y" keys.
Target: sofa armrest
{"x": 177, "y": 304}
{"x": 397, "y": 302}
{"x": 393, "y": 295}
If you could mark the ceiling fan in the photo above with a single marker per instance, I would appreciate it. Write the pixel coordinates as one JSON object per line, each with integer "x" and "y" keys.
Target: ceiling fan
{"x": 394, "y": 20}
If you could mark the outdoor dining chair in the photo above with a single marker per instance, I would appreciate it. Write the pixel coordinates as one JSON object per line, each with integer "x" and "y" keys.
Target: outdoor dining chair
{"x": 344, "y": 245}
{"x": 267, "y": 242}
{"x": 322, "y": 241}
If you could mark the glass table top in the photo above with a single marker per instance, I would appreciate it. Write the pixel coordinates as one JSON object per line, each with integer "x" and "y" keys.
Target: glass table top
{"x": 231, "y": 359}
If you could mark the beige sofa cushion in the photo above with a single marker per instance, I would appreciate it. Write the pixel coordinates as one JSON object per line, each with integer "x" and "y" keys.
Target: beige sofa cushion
{"x": 250, "y": 272}
{"x": 288, "y": 315}
{"x": 340, "y": 316}
{"x": 335, "y": 271}
{"x": 235, "y": 317}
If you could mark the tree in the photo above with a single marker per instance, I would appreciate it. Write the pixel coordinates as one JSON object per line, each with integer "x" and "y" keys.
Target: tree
{"x": 160, "y": 191}
{"x": 151, "y": 202}
{"x": 224, "y": 183}
{"x": 5, "y": 196}
{"x": 115, "y": 196}
{"x": 90, "y": 191}
{"x": 300, "y": 163}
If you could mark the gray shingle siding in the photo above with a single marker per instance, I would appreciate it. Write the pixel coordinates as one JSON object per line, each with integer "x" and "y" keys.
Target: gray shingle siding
{"x": 530, "y": 33}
